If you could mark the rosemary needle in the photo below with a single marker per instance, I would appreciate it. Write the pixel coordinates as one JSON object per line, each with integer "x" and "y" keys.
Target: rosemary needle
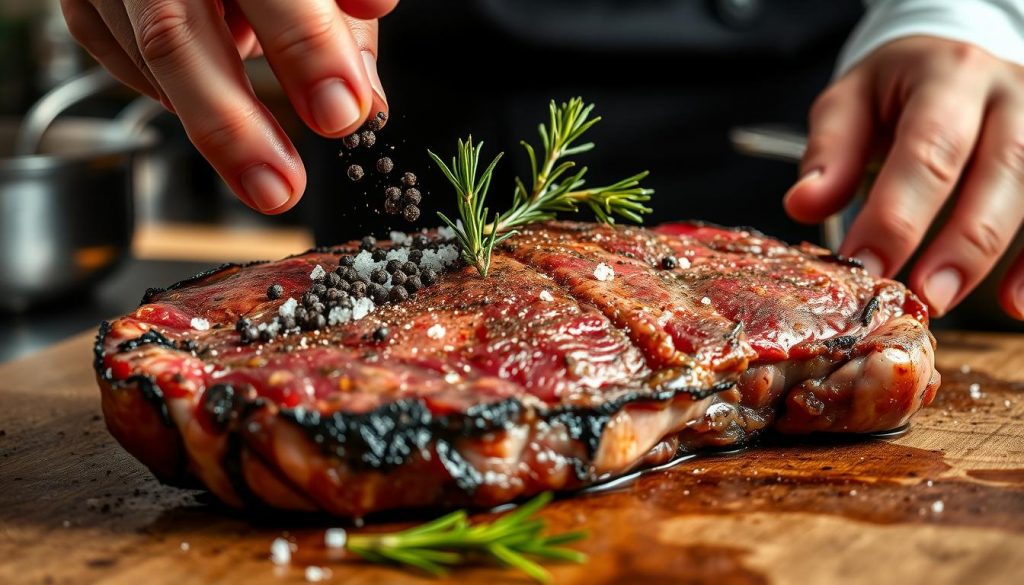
{"x": 451, "y": 540}
{"x": 555, "y": 185}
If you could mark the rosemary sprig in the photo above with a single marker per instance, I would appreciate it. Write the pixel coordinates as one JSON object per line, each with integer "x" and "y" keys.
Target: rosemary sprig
{"x": 555, "y": 186}
{"x": 553, "y": 189}
{"x": 476, "y": 241}
{"x": 451, "y": 540}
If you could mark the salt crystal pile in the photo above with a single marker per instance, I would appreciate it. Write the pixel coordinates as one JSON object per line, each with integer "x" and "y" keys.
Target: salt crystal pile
{"x": 287, "y": 308}
{"x": 604, "y": 273}
{"x": 280, "y": 551}
{"x": 317, "y": 273}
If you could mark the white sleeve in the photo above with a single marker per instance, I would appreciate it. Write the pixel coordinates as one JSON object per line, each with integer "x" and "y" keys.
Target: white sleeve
{"x": 994, "y": 25}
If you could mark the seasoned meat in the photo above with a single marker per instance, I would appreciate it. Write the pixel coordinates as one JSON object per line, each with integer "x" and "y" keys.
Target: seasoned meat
{"x": 588, "y": 352}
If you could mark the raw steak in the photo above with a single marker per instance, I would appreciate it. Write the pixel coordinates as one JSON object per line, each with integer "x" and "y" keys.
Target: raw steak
{"x": 553, "y": 373}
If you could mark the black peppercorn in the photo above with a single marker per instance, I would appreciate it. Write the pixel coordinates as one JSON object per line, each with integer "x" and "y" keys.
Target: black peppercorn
{"x": 412, "y": 196}
{"x": 242, "y": 324}
{"x": 415, "y": 256}
{"x": 350, "y": 275}
{"x": 368, "y": 138}
{"x": 379, "y": 276}
{"x": 266, "y": 335}
{"x": 355, "y": 172}
{"x": 333, "y": 280}
{"x": 428, "y": 276}
{"x": 393, "y": 206}
{"x": 346, "y": 261}
{"x": 288, "y": 323}
{"x": 368, "y": 243}
{"x": 377, "y": 122}
{"x": 351, "y": 141}
{"x": 393, "y": 193}
{"x": 379, "y": 255}
{"x": 358, "y": 289}
{"x": 413, "y": 284}
{"x": 318, "y": 289}
{"x": 250, "y": 334}
{"x": 384, "y": 165}
{"x": 408, "y": 179}
{"x": 393, "y": 265}
{"x": 380, "y": 334}
{"x": 410, "y": 268}
{"x": 317, "y": 307}
{"x": 398, "y": 278}
{"x": 377, "y": 292}
{"x": 397, "y": 294}
{"x": 316, "y": 321}
{"x": 411, "y": 213}
{"x": 420, "y": 241}
{"x": 668, "y": 262}
{"x": 275, "y": 292}
{"x": 309, "y": 298}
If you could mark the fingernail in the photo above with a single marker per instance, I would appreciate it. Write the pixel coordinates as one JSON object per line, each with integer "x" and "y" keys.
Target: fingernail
{"x": 370, "y": 62}
{"x": 941, "y": 288}
{"x": 807, "y": 177}
{"x": 266, "y": 189}
{"x": 1018, "y": 301}
{"x": 872, "y": 263}
{"x": 334, "y": 106}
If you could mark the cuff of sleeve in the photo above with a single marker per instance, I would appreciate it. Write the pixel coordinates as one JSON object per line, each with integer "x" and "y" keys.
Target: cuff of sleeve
{"x": 995, "y": 26}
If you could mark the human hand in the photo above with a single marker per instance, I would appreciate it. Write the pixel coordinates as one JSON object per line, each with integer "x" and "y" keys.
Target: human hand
{"x": 945, "y": 114}
{"x": 188, "y": 54}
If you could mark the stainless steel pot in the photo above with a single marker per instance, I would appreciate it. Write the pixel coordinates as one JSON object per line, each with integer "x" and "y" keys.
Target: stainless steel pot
{"x": 66, "y": 216}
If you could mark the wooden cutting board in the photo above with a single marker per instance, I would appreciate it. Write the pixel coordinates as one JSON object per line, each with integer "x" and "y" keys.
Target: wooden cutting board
{"x": 942, "y": 504}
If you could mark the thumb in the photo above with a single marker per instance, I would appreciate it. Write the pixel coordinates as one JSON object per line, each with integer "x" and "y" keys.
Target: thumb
{"x": 364, "y": 32}
{"x": 841, "y": 125}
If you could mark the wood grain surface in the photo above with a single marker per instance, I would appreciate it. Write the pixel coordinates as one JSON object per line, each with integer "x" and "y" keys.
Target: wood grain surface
{"x": 942, "y": 504}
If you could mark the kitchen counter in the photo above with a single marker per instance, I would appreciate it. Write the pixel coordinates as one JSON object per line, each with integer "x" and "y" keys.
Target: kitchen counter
{"x": 943, "y": 503}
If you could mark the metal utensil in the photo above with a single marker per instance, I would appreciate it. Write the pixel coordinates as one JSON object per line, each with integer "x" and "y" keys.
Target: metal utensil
{"x": 781, "y": 143}
{"x": 66, "y": 215}
{"x": 42, "y": 115}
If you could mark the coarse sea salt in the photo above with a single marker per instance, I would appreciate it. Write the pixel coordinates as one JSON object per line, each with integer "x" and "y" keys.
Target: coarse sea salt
{"x": 604, "y": 273}
{"x": 363, "y": 263}
{"x": 338, "y": 315}
{"x": 436, "y": 331}
{"x": 317, "y": 574}
{"x": 317, "y": 273}
{"x": 938, "y": 507}
{"x": 280, "y": 551}
{"x": 361, "y": 308}
{"x": 200, "y": 324}
{"x": 683, "y": 263}
{"x": 399, "y": 238}
{"x": 975, "y": 391}
{"x": 545, "y": 296}
{"x": 446, "y": 232}
{"x": 335, "y": 538}
{"x": 287, "y": 308}
{"x": 705, "y": 301}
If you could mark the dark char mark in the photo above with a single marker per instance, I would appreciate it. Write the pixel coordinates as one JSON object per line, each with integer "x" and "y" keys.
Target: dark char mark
{"x": 151, "y": 392}
{"x": 840, "y": 259}
{"x": 843, "y": 342}
{"x": 869, "y": 311}
{"x": 152, "y": 336}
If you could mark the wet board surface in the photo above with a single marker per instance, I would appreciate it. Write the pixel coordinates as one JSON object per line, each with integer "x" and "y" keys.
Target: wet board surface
{"x": 943, "y": 503}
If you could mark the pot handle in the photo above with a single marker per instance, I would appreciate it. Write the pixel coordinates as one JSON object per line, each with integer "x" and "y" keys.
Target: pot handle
{"x": 137, "y": 115}
{"x": 51, "y": 105}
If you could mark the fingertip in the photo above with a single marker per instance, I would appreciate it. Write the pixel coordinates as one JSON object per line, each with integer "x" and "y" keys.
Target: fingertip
{"x": 367, "y": 9}
{"x": 799, "y": 200}
{"x": 1011, "y": 296}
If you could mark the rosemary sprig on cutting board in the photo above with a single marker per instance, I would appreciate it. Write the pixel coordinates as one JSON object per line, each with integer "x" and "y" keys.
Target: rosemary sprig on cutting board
{"x": 515, "y": 540}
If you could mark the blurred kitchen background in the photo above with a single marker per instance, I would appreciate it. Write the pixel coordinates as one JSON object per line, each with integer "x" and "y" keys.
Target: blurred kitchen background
{"x": 671, "y": 78}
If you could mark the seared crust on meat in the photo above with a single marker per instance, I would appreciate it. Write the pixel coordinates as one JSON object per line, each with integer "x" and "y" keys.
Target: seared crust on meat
{"x": 520, "y": 392}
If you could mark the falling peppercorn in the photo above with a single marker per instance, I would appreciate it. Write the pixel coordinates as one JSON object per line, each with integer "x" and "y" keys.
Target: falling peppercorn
{"x": 355, "y": 172}
{"x": 380, "y": 334}
{"x": 408, "y": 179}
{"x": 411, "y": 213}
{"x": 385, "y": 165}
{"x": 351, "y": 141}
{"x": 368, "y": 138}
{"x": 377, "y": 122}
{"x": 412, "y": 196}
